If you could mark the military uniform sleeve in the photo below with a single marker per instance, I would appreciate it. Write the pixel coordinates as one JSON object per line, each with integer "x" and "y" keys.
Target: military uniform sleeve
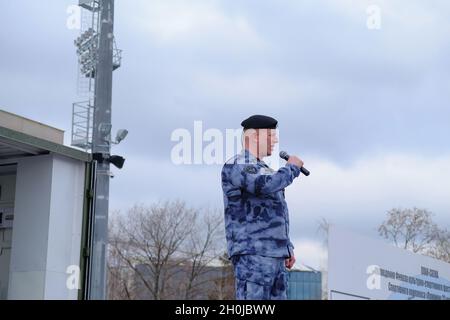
{"x": 248, "y": 177}
{"x": 291, "y": 246}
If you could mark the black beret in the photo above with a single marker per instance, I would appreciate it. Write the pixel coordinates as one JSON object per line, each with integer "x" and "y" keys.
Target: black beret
{"x": 259, "y": 122}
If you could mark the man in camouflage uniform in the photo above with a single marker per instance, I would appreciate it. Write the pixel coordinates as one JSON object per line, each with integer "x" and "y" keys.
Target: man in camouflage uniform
{"x": 256, "y": 214}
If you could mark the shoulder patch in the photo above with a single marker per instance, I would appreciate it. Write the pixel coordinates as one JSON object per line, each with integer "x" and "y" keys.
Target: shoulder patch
{"x": 251, "y": 169}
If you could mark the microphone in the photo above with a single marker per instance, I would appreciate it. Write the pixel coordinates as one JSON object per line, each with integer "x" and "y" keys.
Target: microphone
{"x": 284, "y": 155}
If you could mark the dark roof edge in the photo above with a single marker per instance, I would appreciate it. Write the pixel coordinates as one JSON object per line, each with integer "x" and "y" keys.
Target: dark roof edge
{"x": 45, "y": 144}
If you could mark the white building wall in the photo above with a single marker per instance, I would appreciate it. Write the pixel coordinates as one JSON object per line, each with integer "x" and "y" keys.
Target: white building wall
{"x": 47, "y": 227}
{"x": 66, "y": 215}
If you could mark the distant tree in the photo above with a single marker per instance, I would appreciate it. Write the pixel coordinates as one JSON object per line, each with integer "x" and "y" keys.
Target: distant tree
{"x": 147, "y": 239}
{"x": 323, "y": 227}
{"x": 441, "y": 248}
{"x": 120, "y": 284}
{"x": 414, "y": 230}
{"x": 163, "y": 251}
{"x": 224, "y": 288}
{"x": 201, "y": 248}
{"x": 410, "y": 229}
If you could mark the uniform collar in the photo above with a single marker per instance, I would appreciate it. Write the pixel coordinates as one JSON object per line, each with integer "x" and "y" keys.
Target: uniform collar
{"x": 250, "y": 158}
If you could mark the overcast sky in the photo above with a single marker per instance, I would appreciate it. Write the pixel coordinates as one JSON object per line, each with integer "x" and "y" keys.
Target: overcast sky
{"x": 367, "y": 110}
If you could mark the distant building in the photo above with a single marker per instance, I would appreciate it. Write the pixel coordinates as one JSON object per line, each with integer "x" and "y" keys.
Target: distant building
{"x": 304, "y": 285}
{"x": 43, "y": 211}
{"x": 212, "y": 283}
{"x": 217, "y": 283}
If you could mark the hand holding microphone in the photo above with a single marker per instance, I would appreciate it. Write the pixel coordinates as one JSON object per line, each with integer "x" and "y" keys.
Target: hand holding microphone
{"x": 294, "y": 160}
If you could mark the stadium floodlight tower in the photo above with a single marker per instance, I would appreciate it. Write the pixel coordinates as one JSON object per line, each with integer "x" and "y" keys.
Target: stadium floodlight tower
{"x": 91, "y": 128}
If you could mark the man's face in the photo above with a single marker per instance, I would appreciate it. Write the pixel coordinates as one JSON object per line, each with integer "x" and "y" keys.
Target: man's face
{"x": 267, "y": 139}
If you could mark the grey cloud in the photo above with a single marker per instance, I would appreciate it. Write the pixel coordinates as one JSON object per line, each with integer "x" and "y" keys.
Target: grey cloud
{"x": 338, "y": 90}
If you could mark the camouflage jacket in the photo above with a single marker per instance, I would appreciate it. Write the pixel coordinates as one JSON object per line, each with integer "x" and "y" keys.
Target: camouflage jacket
{"x": 256, "y": 213}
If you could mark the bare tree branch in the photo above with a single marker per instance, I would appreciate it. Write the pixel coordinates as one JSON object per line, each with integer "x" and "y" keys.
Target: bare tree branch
{"x": 167, "y": 248}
